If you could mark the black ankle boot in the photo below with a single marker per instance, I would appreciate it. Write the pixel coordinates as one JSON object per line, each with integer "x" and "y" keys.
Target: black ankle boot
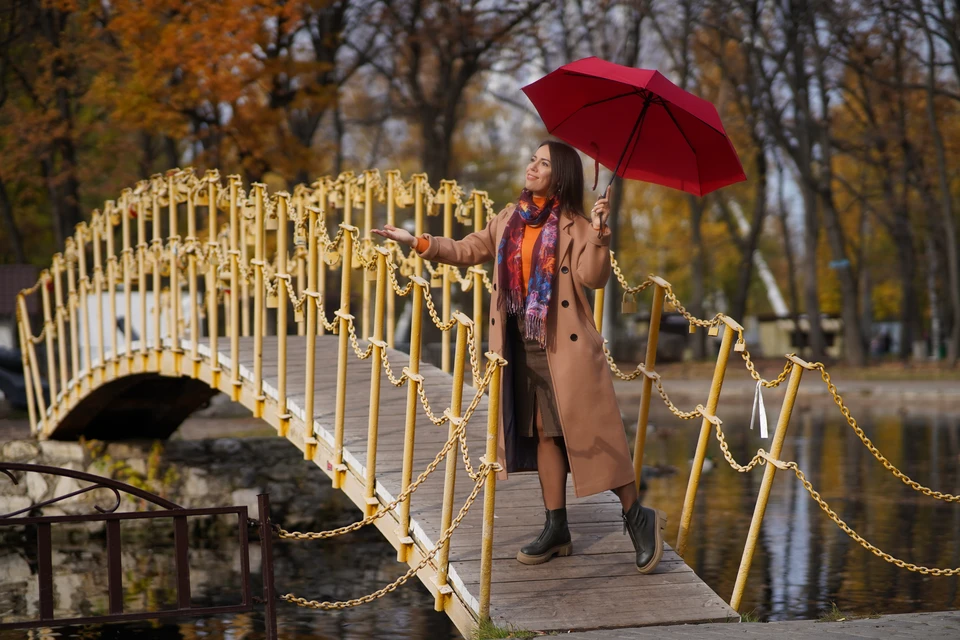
{"x": 554, "y": 540}
{"x": 645, "y": 526}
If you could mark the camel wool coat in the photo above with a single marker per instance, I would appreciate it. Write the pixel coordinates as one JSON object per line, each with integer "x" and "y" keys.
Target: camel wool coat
{"x": 593, "y": 432}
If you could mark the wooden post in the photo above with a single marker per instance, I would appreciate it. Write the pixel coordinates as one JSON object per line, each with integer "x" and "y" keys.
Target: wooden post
{"x": 730, "y": 328}
{"x": 376, "y": 366}
{"x": 283, "y": 280}
{"x": 490, "y": 490}
{"x": 653, "y": 334}
{"x": 793, "y": 384}
{"x": 258, "y": 295}
{"x": 414, "y": 379}
{"x": 343, "y": 314}
{"x": 235, "y": 382}
{"x": 213, "y": 282}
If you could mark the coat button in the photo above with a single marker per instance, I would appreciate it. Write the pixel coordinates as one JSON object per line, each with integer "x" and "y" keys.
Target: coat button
{"x": 493, "y": 321}
{"x": 494, "y": 286}
{"x": 573, "y": 337}
{"x": 565, "y": 304}
{"x": 564, "y": 269}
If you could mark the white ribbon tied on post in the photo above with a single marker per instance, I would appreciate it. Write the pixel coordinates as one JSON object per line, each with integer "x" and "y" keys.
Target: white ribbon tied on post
{"x": 758, "y": 401}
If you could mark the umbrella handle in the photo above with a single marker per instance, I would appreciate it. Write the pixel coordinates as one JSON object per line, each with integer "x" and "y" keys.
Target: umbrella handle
{"x": 609, "y": 184}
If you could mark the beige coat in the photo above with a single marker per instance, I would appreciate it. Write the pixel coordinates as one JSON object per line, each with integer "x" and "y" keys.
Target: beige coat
{"x": 583, "y": 384}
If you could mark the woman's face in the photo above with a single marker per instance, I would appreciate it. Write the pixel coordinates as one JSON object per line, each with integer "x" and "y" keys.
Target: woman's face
{"x": 538, "y": 172}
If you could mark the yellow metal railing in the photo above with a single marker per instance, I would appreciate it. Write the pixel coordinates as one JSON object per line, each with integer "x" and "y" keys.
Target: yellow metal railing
{"x": 229, "y": 294}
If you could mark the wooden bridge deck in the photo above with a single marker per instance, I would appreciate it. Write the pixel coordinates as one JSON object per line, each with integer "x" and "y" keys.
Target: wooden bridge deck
{"x": 597, "y": 587}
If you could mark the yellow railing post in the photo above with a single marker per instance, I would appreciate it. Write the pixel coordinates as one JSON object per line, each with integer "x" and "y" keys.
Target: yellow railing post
{"x": 81, "y": 235}
{"x": 58, "y": 312}
{"x": 653, "y": 334}
{"x": 213, "y": 283}
{"x": 489, "y": 491}
{"x": 376, "y": 366}
{"x": 478, "y": 271}
{"x": 796, "y": 372}
{"x": 418, "y": 213}
{"x": 125, "y": 262}
{"x": 194, "y": 246}
{"x": 142, "y": 248}
{"x": 312, "y": 297}
{"x": 414, "y": 379}
{"x": 366, "y": 241}
{"x": 31, "y": 351}
{"x": 235, "y": 382}
{"x": 326, "y": 219}
{"x": 392, "y": 177}
{"x": 109, "y": 212}
{"x": 25, "y": 359}
{"x": 450, "y": 476}
{"x": 686, "y": 516}
{"x": 259, "y": 265}
{"x": 343, "y": 314}
{"x": 300, "y": 254}
{"x": 598, "y": 308}
{"x": 244, "y": 291}
{"x": 157, "y": 247}
{"x": 173, "y": 246}
{"x": 95, "y": 221}
{"x": 72, "y": 310}
{"x": 446, "y": 186}
{"x": 283, "y": 417}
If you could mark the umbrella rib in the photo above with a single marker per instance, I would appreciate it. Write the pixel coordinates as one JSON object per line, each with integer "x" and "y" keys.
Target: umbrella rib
{"x": 593, "y": 104}
{"x": 636, "y": 130}
{"x": 679, "y": 128}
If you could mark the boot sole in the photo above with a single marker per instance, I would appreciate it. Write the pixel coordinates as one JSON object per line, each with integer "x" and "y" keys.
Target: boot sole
{"x": 661, "y": 525}
{"x": 559, "y": 551}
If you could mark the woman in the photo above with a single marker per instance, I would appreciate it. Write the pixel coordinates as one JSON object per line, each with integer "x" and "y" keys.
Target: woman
{"x": 558, "y": 408}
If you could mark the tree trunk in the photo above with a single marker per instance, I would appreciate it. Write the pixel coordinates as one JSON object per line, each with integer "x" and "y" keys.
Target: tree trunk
{"x": 745, "y": 273}
{"x": 14, "y": 237}
{"x": 697, "y": 275}
{"x": 791, "y": 262}
{"x": 946, "y": 207}
{"x": 811, "y": 234}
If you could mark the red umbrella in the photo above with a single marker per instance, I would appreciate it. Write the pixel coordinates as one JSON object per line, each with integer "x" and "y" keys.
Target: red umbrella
{"x": 638, "y": 122}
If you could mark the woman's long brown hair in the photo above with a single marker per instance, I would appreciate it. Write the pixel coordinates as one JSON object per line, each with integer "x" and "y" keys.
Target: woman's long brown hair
{"x": 566, "y": 175}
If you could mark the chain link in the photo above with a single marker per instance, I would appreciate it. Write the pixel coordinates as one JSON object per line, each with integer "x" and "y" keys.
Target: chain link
{"x": 443, "y": 326}
{"x": 344, "y": 604}
{"x": 776, "y": 382}
{"x": 641, "y": 370}
{"x": 361, "y": 354}
{"x": 623, "y": 280}
{"x": 392, "y": 273}
{"x": 916, "y": 486}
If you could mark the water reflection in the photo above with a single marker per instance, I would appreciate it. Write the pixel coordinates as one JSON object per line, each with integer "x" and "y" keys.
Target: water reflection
{"x": 803, "y": 563}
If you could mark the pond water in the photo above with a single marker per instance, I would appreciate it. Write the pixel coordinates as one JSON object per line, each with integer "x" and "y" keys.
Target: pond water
{"x": 803, "y": 564}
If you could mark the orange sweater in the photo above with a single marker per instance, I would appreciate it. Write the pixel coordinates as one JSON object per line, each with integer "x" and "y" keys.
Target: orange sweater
{"x": 530, "y": 235}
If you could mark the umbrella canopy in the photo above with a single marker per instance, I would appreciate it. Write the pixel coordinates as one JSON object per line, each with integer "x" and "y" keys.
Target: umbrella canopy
{"x": 638, "y": 124}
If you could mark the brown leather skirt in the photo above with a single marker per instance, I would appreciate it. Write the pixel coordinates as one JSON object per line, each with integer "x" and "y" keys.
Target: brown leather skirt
{"x": 532, "y": 387}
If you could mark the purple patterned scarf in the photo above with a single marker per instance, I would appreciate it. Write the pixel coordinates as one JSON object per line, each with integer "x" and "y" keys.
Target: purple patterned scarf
{"x": 542, "y": 267}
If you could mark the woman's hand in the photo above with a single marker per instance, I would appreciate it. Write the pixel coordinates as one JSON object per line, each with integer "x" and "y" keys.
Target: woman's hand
{"x": 600, "y": 211}
{"x": 402, "y": 236}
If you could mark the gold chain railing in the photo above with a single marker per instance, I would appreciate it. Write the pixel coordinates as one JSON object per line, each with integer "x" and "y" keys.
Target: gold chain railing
{"x": 444, "y": 539}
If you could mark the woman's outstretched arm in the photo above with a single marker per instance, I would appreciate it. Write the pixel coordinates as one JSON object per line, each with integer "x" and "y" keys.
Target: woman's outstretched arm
{"x": 475, "y": 248}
